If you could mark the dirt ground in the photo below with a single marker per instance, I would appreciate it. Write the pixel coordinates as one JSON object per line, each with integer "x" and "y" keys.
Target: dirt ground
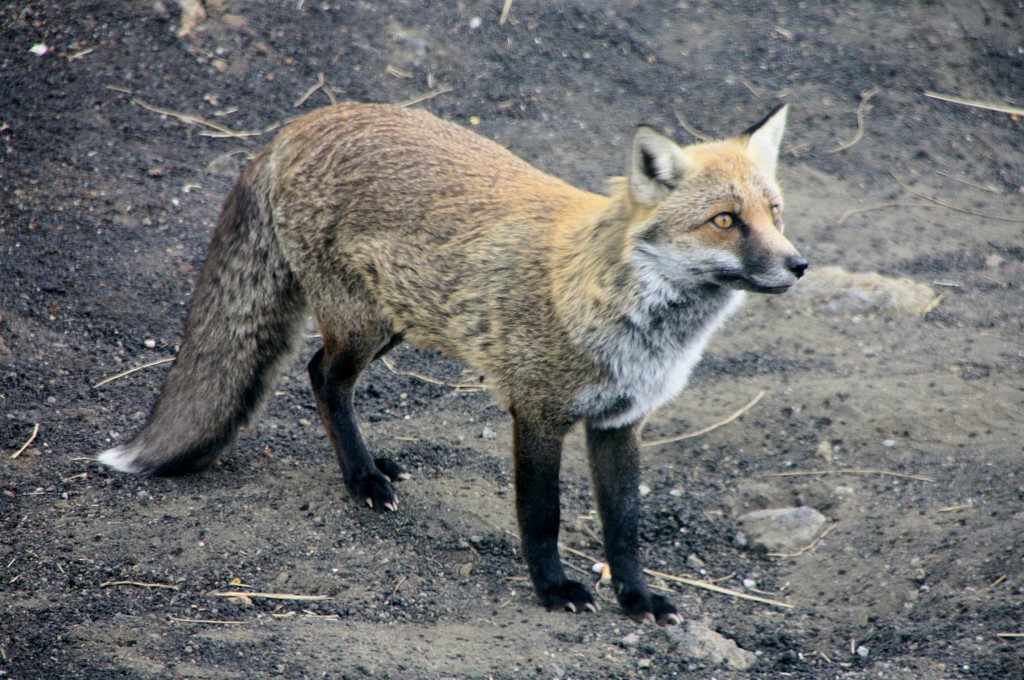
{"x": 894, "y": 402}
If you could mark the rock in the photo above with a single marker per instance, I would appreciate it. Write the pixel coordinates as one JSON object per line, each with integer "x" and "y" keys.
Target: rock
{"x": 779, "y": 530}
{"x": 836, "y": 291}
{"x": 488, "y": 434}
{"x": 696, "y": 641}
{"x": 825, "y": 450}
{"x": 630, "y": 640}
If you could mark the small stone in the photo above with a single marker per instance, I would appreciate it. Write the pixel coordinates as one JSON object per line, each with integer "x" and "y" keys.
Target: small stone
{"x": 475, "y": 22}
{"x": 644, "y": 490}
{"x": 631, "y": 640}
{"x": 697, "y": 641}
{"x": 643, "y": 663}
{"x": 888, "y": 443}
{"x": 824, "y": 450}
{"x": 749, "y": 583}
{"x": 994, "y": 261}
{"x": 779, "y": 530}
{"x": 694, "y": 562}
{"x": 150, "y": 343}
{"x": 862, "y": 651}
{"x": 304, "y": 422}
{"x": 220, "y": 64}
{"x": 488, "y": 434}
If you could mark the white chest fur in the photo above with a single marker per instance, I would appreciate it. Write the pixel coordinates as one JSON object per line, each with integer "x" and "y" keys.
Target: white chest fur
{"x": 649, "y": 361}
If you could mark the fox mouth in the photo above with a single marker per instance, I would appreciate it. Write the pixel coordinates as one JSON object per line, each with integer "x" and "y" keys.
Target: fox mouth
{"x": 738, "y": 281}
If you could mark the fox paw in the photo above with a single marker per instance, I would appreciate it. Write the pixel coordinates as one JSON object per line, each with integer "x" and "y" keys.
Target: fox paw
{"x": 390, "y": 469}
{"x": 649, "y": 608}
{"x": 374, "y": 490}
{"x": 571, "y": 596}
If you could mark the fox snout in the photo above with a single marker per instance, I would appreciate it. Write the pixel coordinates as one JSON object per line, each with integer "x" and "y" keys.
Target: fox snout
{"x": 767, "y": 270}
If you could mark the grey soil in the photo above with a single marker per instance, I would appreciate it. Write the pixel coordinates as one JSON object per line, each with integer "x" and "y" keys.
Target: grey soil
{"x": 105, "y": 211}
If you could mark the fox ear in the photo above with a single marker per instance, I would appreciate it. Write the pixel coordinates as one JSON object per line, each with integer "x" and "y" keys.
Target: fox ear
{"x": 655, "y": 166}
{"x": 764, "y": 139}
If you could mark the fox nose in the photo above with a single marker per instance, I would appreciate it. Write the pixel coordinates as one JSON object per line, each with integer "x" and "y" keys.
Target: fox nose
{"x": 797, "y": 265}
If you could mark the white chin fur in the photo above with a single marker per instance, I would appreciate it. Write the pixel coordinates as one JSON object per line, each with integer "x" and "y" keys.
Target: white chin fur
{"x": 120, "y": 458}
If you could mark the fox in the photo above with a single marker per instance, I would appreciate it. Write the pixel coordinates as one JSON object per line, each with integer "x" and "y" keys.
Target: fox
{"x": 390, "y": 225}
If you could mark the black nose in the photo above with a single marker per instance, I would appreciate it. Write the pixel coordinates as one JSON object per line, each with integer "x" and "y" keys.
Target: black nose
{"x": 797, "y": 265}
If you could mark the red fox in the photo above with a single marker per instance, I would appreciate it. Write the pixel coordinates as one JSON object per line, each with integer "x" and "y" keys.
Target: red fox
{"x": 391, "y": 225}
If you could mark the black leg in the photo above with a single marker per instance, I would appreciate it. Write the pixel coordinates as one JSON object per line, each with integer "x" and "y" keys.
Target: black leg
{"x": 538, "y": 459}
{"x": 368, "y": 480}
{"x": 615, "y": 470}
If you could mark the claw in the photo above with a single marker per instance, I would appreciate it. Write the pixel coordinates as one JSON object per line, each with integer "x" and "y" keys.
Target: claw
{"x": 591, "y": 607}
{"x": 672, "y": 620}
{"x": 392, "y": 506}
{"x": 570, "y": 607}
{"x": 369, "y": 502}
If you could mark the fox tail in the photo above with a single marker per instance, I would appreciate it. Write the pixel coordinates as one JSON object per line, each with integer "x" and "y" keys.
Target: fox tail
{"x": 242, "y": 329}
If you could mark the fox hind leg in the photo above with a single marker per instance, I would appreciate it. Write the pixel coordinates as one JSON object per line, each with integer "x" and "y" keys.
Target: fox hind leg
{"x": 334, "y": 370}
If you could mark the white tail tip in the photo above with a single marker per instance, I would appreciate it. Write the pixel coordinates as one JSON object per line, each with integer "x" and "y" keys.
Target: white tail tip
{"x": 120, "y": 458}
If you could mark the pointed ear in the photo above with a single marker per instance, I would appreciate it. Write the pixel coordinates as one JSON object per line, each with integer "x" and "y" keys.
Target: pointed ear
{"x": 656, "y": 165}
{"x": 764, "y": 139}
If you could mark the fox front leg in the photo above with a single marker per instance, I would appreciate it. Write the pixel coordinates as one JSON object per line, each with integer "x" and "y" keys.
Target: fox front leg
{"x": 537, "y": 460}
{"x": 615, "y": 471}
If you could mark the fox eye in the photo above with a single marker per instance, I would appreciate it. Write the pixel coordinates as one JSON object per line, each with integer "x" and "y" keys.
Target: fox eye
{"x": 723, "y": 220}
{"x": 776, "y": 211}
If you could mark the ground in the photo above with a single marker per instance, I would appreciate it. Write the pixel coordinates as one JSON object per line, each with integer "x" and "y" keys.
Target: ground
{"x": 898, "y": 417}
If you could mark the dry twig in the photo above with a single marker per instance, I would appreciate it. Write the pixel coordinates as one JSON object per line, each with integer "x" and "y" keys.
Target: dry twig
{"x": 424, "y": 97}
{"x": 856, "y": 211}
{"x": 181, "y": 620}
{"x": 32, "y": 438}
{"x": 132, "y": 370}
{"x": 696, "y": 133}
{"x": 721, "y": 423}
{"x": 320, "y": 82}
{"x": 849, "y": 471}
{"x": 950, "y": 206}
{"x": 140, "y": 584}
{"x": 1001, "y": 108}
{"x": 705, "y": 585}
{"x": 504, "y": 12}
{"x": 465, "y": 386}
{"x": 862, "y": 110}
{"x": 809, "y": 546}
{"x": 268, "y": 596}
{"x": 189, "y": 119}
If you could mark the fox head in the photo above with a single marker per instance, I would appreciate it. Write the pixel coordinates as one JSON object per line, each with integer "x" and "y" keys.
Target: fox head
{"x": 711, "y": 213}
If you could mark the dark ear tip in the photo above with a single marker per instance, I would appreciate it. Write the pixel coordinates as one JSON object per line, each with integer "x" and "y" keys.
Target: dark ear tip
{"x": 759, "y": 124}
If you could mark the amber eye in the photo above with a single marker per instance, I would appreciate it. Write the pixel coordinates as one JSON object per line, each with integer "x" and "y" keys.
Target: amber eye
{"x": 776, "y": 212}
{"x": 723, "y": 220}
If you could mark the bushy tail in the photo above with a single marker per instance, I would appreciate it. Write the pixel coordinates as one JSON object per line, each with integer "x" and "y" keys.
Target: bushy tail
{"x": 242, "y": 327}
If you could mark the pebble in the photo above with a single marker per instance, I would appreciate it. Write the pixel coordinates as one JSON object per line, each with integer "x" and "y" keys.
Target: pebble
{"x": 488, "y": 434}
{"x": 150, "y": 343}
{"x": 779, "y": 530}
{"x": 631, "y": 640}
{"x": 825, "y": 450}
{"x": 697, "y": 641}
